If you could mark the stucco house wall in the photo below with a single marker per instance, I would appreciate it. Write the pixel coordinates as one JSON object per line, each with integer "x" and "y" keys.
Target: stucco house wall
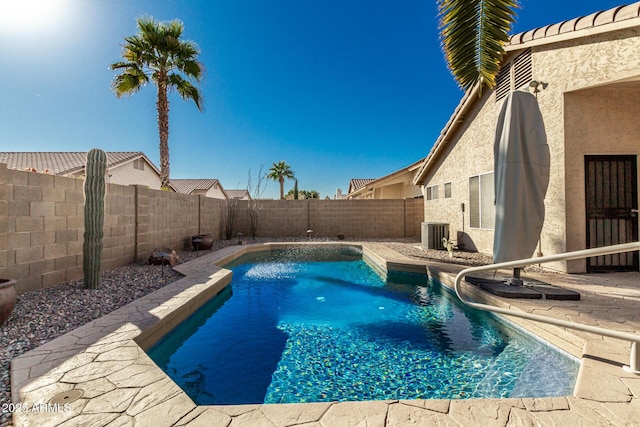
{"x": 398, "y": 190}
{"x": 127, "y": 174}
{"x": 216, "y": 192}
{"x": 392, "y": 191}
{"x": 471, "y": 155}
{"x": 589, "y": 107}
{"x": 397, "y": 185}
{"x": 615, "y": 130}
{"x": 207, "y": 187}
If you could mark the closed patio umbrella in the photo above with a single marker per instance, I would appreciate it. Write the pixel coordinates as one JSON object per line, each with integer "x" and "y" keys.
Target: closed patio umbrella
{"x": 521, "y": 178}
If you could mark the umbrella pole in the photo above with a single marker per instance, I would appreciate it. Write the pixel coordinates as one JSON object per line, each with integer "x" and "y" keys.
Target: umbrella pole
{"x": 515, "y": 280}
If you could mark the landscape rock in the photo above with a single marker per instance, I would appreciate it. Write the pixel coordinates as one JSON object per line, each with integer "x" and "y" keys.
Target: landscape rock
{"x": 165, "y": 256}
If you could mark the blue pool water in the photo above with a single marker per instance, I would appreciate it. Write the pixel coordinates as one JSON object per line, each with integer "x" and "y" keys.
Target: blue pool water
{"x": 319, "y": 326}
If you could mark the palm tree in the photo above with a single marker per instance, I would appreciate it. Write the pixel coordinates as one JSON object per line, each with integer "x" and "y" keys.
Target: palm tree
{"x": 278, "y": 172}
{"x": 158, "y": 55}
{"x": 473, "y": 34}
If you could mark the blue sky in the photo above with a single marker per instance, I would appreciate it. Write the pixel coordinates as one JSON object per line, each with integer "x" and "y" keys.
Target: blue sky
{"x": 339, "y": 89}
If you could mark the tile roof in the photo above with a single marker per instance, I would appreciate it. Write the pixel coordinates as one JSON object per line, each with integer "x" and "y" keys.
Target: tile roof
{"x": 357, "y": 183}
{"x": 413, "y": 166}
{"x": 590, "y": 22}
{"x": 63, "y": 162}
{"x": 240, "y": 193}
{"x": 360, "y": 183}
{"x": 187, "y": 186}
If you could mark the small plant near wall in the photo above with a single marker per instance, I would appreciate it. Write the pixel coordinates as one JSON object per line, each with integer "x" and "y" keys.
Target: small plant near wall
{"x": 254, "y": 205}
{"x": 94, "y": 191}
{"x": 229, "y": 217}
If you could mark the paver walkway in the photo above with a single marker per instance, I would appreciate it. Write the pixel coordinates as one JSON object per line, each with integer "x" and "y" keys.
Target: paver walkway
{"x": 105, "y": 362}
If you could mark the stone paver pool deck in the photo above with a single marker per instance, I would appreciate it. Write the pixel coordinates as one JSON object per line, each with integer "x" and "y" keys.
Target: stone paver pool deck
{"x": 105, "y": 362}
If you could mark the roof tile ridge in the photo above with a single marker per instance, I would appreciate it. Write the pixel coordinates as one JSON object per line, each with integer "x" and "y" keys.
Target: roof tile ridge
{"x": 575, "y": 24}
{"x": 631, "y": 6}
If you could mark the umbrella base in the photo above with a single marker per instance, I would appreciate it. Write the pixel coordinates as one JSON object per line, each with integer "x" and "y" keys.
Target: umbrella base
{"x": 531, "y": 289}
{"x": 515, "y": 281}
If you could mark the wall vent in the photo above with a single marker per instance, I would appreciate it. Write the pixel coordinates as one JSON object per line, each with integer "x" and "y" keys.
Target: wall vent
{"x": 522, "y": 74}
{"x": 503, "y": 82}
{"x": 514, "y": 74}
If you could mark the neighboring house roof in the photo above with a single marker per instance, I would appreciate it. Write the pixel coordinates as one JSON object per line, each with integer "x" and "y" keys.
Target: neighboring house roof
{"x": 238, "y": 194}
{"x": 613, "y": 19}
{"x": 65, "y": 162}
{"x": 358, "y": 183}
{"x": 371, "y": 182}
{"x": 188, "y": 186}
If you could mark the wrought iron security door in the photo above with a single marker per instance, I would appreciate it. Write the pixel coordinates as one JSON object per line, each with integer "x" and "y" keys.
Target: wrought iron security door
{"x": 612, "y": 210}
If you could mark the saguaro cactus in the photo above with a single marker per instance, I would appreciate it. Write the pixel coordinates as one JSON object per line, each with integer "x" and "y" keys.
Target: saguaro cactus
{"x": 94, "y": 190}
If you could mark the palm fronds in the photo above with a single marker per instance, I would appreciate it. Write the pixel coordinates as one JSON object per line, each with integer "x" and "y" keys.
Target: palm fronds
{"x": 473, "y": 34}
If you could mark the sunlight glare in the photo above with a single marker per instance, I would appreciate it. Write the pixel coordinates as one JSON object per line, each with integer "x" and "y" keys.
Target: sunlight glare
{"x": 30, "y": 16}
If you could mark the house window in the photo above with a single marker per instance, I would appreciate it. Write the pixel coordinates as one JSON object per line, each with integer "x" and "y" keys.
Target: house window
{"x": 432, "y": 192}
{"x": 138, "y": 164}
{"x": 482, "y": 201}
{"x": 447, "y": 190}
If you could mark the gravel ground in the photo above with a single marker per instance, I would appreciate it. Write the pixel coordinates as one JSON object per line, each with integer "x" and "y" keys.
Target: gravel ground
{"x": 43, "y": 315}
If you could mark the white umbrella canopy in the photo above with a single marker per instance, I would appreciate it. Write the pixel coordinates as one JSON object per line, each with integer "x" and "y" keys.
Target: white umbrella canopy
{"x": 521, "y": 177}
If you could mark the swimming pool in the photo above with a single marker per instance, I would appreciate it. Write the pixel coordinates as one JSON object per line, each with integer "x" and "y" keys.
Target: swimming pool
{"x": 320, "y": 325}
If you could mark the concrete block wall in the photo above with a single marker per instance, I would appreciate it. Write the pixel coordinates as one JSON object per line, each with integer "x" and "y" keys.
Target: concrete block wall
{"x": 4, "y": 227}
{"x": 119, "y": 243}
{"x": 165, "y": 219}
{"x": 414, "y": 215}
{"x": 42, "y": 223}
{"x": 285, "y": 218}
{"x": 211, "y": 221}
{"x": 328, "y": 218}
{"x": 385, "y": 218}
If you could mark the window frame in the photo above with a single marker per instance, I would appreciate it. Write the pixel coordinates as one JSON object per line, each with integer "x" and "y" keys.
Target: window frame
{"x": 482, "y": 225}
{"x": 432, "y": 192}
{"x": 138, "y": 164}
{"x": 450, "y": 190}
